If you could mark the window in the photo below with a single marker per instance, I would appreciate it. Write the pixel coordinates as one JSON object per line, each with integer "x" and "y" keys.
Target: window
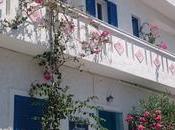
{"x": 27, "y": 112}
{"x": 113, "y": 120}
{"x": 76, "y": 126}
{"x": 103, "y": 10}
{"x": 135, "y": 26}
{"x": 99, "y": 11}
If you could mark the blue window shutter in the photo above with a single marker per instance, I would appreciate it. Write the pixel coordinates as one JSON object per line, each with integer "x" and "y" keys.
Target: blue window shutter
{"x": 27, "y": 112}
{"x": 112, "y": 13}
{"x": 135, "y": 26}
{"x": 91, "y": 7}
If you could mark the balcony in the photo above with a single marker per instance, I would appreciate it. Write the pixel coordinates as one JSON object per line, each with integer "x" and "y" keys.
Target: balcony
{"x": 126, "y": 58}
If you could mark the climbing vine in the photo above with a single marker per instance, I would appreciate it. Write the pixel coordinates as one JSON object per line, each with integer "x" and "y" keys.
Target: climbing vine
{"x": 60, "y": 104}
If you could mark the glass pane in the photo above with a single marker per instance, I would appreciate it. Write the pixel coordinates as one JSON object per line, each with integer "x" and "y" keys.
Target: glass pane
{"x": 135, "y": 26}
{"x": 99, "y": 11}
{"x": 76, "y": 126}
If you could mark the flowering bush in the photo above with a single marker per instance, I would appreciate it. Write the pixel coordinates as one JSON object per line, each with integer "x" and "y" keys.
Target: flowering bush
{"x": 97, "y": 41}
{"x": 153, "y": 113}
{"x": 150, "y": 32}
{"x": 151, "y": 120}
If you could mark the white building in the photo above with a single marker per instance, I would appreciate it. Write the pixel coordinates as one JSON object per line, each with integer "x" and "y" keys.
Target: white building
{"x": 133, "y": 70}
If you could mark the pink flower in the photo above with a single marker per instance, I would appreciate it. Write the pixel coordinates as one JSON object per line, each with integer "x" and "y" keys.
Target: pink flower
{"x": 140, "y": 127}
{"x": 39, "y": 1}
{"x": 154, "y": 27}
{"x": 146, "y": 114}
{"x": 129, "y": 118}
{"x": 94, "y": 23}
{"x": 70, "y": 27}
{"x": 104, "y": 33}
{"x": 158, "y": 126}
{"x": 96, "y": 50}
{"x": 47, "y": 76}
{"x": 158, "y": 112}
{"x": 142, "y": 119}
{"x": 163, "y": 45}
{"x": 155, "y": 30}
{"x": 158, "y": 118}
{"x": 94, "y": 35}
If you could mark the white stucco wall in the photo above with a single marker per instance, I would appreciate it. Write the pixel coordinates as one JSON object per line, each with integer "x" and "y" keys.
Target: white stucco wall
{"x": 18, "y": 71}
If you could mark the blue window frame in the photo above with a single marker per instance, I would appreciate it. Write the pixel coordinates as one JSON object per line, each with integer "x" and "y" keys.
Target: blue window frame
{"x": 113, "y": 120}
{"x": 27, "y": 113}
{"x": 77, "y": 126}
{"x": 135, "y": 26}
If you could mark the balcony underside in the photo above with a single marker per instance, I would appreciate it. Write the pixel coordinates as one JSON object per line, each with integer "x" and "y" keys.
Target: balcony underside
{"x": 124, "y": 76}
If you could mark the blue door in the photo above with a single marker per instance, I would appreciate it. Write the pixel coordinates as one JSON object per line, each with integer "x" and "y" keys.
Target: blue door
{"x": 113, "y": 120}
{"x": 27, "y": 113}
{"x": 135, "y": 26}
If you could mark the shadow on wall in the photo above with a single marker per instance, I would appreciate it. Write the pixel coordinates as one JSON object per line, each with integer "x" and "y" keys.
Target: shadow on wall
{"x": 29, "y": 32}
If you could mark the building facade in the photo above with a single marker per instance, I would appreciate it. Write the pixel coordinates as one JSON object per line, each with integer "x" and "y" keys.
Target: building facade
{"x": 132, "y": 69}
